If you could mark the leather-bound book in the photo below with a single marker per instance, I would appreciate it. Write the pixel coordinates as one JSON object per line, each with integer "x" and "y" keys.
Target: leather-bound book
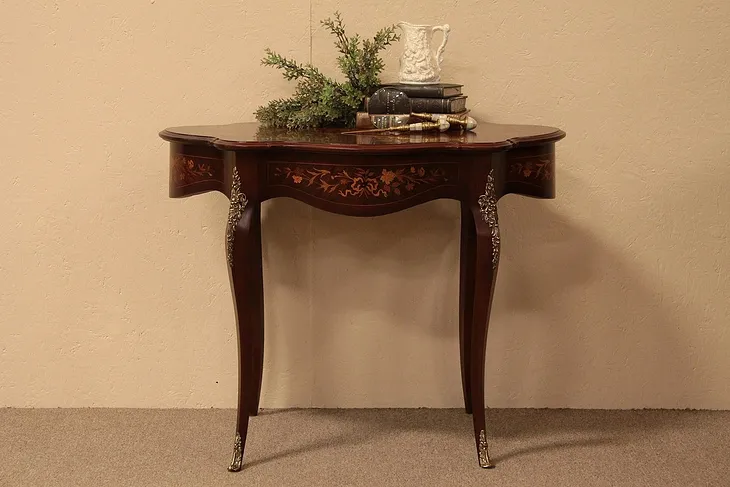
{"x": 451, "y": 105}
{"x": 440, "y": 90}
{"x": 362, "y": 121}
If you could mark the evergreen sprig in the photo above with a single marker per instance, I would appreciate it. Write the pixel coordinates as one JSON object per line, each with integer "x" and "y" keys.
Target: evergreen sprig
{"x": 319, "y": 101}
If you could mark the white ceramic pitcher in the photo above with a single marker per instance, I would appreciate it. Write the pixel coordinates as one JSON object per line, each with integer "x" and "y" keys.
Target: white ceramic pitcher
{"x": 419, "y": 65}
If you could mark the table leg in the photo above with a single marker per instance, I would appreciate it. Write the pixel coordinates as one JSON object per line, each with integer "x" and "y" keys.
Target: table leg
{"x": 485, "y": 268}
{"x": 466, "y": 298}
{"x": 244, "y": 258}
{"x": 256, "y": 310}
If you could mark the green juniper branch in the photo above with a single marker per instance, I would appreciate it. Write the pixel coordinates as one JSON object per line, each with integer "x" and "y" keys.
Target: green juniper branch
{"x": 319, "y": 101}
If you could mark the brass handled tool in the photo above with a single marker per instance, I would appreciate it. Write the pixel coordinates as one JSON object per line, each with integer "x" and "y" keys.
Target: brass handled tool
{"x": 440, "y": 125}
{"x": 467, "y": 123}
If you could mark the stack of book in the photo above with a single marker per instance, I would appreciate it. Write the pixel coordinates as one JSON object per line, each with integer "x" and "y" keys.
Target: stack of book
{"x": 441, "y": 98}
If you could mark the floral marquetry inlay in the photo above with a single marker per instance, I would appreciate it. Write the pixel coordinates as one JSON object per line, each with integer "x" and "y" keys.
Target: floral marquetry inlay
{"x": 539, "y": 170}
{"x": 191, "y": 169}
{"x": 363, "y": 183}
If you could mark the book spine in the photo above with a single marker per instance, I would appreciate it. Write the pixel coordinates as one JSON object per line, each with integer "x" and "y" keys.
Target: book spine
{"x": 426, "y": 91}
{"x": 438, "y": 105}
{"x": 362, "y": 121}
{"x": 439, "y": 92}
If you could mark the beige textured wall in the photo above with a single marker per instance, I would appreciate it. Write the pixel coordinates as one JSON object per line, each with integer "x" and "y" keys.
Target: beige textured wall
{"x": 614, "y": 295}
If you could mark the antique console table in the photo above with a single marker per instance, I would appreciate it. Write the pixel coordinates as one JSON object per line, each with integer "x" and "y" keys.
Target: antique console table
{"x": 363, "y": 175}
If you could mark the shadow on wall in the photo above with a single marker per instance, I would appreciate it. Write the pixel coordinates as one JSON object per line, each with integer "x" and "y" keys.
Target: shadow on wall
{"x": 286, "y": 235}
{"x": 574, "y": 324}
{"x": 597, "y": 331}
{"x": 365, "y": 274}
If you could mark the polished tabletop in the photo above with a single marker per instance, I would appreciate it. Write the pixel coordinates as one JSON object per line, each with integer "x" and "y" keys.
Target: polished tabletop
{"x": 240, "y": 136}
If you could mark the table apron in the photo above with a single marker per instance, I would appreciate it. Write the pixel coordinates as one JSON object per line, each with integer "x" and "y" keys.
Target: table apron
{"x": 362, "y": 185}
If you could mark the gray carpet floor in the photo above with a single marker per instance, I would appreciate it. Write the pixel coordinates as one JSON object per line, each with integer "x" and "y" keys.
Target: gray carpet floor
{"x": 372, "y": 447}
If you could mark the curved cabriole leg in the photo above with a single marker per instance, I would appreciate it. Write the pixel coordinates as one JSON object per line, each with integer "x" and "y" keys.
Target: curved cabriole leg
{"x": 466, "y": 298}
{"x": 485, "y": 274}
{"x": 243, "y": 248}
{"x": 255, "y": 305}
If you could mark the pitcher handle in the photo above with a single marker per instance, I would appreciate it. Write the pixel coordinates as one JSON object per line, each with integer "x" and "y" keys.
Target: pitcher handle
{"x": 440, "y": 52}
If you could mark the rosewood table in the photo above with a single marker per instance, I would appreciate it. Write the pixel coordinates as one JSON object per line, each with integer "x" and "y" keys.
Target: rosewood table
{"x": 363, "y": 175}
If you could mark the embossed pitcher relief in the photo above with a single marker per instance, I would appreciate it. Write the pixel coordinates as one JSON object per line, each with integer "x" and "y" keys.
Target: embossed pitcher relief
{"x": 419, "y": 64}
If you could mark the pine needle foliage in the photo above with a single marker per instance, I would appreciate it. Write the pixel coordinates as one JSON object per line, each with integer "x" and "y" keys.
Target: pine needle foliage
{"x": 320, "y": 101}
